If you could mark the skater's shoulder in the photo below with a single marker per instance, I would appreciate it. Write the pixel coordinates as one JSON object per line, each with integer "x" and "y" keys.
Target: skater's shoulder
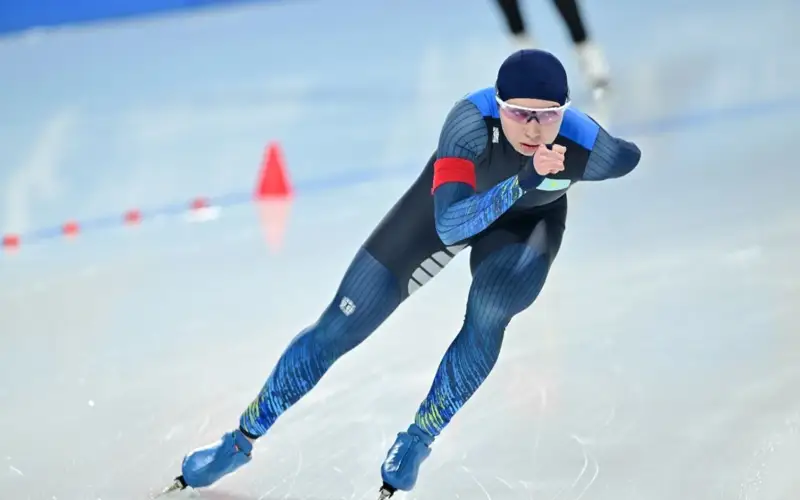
{"x": 579, "y": 128}
{"x": 464, "y": 131}
{"x": 484, "y": 101}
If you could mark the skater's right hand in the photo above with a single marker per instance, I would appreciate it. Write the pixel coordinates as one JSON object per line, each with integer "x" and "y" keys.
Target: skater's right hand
{"x": 547, "y": 161}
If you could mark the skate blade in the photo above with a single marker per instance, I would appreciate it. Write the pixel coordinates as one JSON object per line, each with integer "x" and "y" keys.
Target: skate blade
{"x": 386, "y": 492}
{"x": 176, "y": 485}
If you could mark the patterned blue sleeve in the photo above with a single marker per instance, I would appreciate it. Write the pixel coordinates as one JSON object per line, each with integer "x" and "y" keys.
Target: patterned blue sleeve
{"x": 459, "y": 212}
{"x": 611, "y": 158}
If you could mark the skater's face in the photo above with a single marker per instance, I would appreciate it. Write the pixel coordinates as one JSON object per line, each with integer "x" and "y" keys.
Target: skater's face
{"x": 527, "y": 123}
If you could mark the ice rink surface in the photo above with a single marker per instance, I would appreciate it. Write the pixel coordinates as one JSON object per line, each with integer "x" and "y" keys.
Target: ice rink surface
{"x": 661, "y": 362}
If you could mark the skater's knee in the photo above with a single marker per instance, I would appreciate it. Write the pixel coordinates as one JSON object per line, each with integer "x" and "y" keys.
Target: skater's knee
{"x": 367, "y": 295}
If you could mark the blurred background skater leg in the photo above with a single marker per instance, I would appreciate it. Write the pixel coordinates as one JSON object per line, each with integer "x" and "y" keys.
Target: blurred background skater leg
{"x": 591, "y": 58}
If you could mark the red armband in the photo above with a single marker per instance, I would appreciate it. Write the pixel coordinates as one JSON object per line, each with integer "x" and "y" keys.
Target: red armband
{"x": 453, "y": 170}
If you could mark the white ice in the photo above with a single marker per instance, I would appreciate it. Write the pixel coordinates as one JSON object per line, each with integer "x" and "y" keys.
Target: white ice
{"x": 661, "y": 362}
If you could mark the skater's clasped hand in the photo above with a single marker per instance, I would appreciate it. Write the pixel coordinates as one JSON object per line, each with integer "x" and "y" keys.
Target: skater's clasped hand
{"x": 549, "y": 161}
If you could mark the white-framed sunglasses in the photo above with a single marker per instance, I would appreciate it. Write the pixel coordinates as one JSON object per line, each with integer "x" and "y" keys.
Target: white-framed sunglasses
{"x": 521, "y": 114}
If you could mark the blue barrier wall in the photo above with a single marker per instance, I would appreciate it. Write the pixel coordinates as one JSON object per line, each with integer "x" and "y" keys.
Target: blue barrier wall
{"x": 19, "y": 15}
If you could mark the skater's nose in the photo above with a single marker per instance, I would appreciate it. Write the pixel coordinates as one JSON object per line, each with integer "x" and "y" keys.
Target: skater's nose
{"x": 533, "y": 131}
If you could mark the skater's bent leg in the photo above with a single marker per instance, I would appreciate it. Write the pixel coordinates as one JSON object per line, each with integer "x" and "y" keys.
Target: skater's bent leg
{"x": 506, "y": 281}
{"x": 367, "y": 295}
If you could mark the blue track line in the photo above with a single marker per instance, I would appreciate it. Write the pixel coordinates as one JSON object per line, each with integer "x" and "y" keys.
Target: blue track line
{"x": 354, "y": 177}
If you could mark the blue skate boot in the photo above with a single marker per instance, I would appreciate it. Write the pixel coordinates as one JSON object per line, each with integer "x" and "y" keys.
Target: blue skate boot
{"x": 401, "y": 467}
{"x": 204, "y": 466}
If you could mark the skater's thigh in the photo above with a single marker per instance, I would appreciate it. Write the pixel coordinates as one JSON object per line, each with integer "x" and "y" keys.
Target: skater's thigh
{"x": 535, "y": 233}
{"x": 406, "y": 241}
{"x": 510, "y": 264}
